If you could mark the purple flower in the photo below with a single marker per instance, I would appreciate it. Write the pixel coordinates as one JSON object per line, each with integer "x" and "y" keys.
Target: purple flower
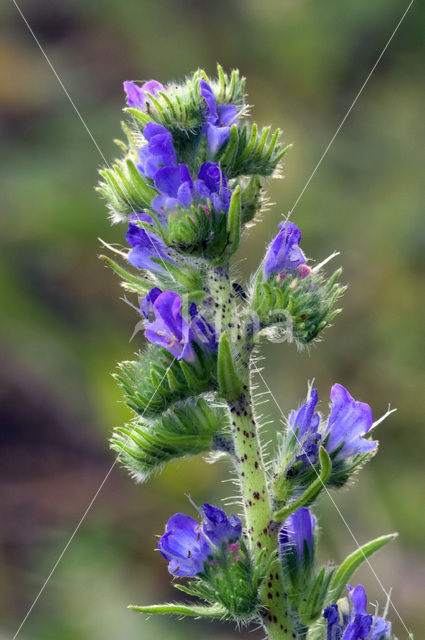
{"x": 218, "y": 527}
{"x": 146, "y": 306}
{"x": 212, "y": 184}
{"x": 284, "y": 254}
{"x": 173, "y": 181}
{"x": 177, "y": 188}
{"x": 304, "y": 424}
{"x": 298, "y": 533}
{"x": 355, "y": 623}
{"x": 136, "y": 96}
{"x": 219, "y": 119}
{"x": 146, "y": 245}
{"x": 348, "y": 422}
{"x": 159, "y": 151}
{"x": 305, "y": 420}
{"x": 169, "y": 330}
{"x": 187, "y": 545}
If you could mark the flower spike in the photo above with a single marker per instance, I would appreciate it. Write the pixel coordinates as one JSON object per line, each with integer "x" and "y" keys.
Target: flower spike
{"x": 188, "y": 185}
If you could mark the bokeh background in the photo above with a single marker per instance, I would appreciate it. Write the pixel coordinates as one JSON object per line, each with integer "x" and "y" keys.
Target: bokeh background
{"x": 63, "y": 325}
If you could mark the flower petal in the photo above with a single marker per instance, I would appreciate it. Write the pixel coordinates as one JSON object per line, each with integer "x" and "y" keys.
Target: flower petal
{"x": 216, "y": 137}
{"x": 168, "y": 180}
{"x": 348, "y": 421}
{"x": 227, "y": 114}
{"x": 209, "y": 97}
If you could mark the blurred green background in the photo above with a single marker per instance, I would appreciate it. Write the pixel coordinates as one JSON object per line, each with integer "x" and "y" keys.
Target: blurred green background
{"x": 63, "y": 325}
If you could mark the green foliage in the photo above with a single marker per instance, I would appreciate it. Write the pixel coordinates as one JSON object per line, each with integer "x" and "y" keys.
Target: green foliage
{"x": 198, "y": 232}
{"x": 250, "y": 199}
{"x": 311, "y": 604}
{"x": 233, "y": 580}
{"x": 229, "y": 89}
{"x": 352, "y": 562}
{"x": 213, "y": 612}
{"x": 130, "y": 282}
{"x": 310, "y": 493}
{"x": 307, "y": 585}
{"x": 229, "y": 383}
{"x": 251, "y": 152}
{"x": 185, "y": 428}
{"x": 125, "y": 189}
{"x": 300, "y": 308}
{"x": 156, "y": 380}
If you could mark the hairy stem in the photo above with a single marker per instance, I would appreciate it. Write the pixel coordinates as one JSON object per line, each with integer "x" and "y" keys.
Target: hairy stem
{"x": 262, "y": 533}
{"x": 260, "y": 527}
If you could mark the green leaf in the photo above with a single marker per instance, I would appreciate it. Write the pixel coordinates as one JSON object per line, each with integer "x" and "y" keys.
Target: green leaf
{"x": 250, "y": 199}
{"x": 234, "y": 223}
{"x": 312, "y": 491}
{"x": 353, "y": 562}
{"x": 186, "y": 428}
{"x": 229, "y": 384}
{"x": 311, "y": 606}
{"x": 214, "y": 611}
{"x": 146, "y": 383}
{"x": 139, "y": 285}
{"x": 125, "y": 189}
{"x": 250, "y": 151}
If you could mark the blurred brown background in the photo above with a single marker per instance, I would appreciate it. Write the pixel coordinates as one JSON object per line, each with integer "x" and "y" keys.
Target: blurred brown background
{"x": 63, "y": 325}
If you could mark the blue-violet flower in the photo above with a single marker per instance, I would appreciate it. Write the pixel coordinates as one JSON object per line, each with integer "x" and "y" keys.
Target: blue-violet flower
{"x": 219, "y": 119}
{"x": 158, "y": 152}
{"x": 353, "y": 622}
{"x": 349, "y": 420}
{"x": 188, "y": 545}
{"x": 146, "y": 245}
{"x": 298, "y": 533}
{"x": 177, "y": 189}
{"x": 158, "y": 161}
{"x": 284, "y": 254}
{"x": 170, "y": 330}
{"x": 137, "y": 96}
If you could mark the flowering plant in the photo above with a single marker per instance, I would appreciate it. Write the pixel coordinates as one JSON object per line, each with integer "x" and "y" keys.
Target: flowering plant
{"x": 187, "y": 187}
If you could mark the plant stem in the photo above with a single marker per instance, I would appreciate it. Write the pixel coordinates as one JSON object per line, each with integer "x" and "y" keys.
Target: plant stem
{"x": 260, "y": 527}
{"x": 261, "y": 531}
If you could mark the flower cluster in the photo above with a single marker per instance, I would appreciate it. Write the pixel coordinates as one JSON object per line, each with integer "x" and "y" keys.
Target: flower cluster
{"x": 173, "y": 180}
{"x": 188, "y": 545}
{"x": 178, "y": 190}
{"x": 342, "y": 435}
{"x": 349, "y": 620}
